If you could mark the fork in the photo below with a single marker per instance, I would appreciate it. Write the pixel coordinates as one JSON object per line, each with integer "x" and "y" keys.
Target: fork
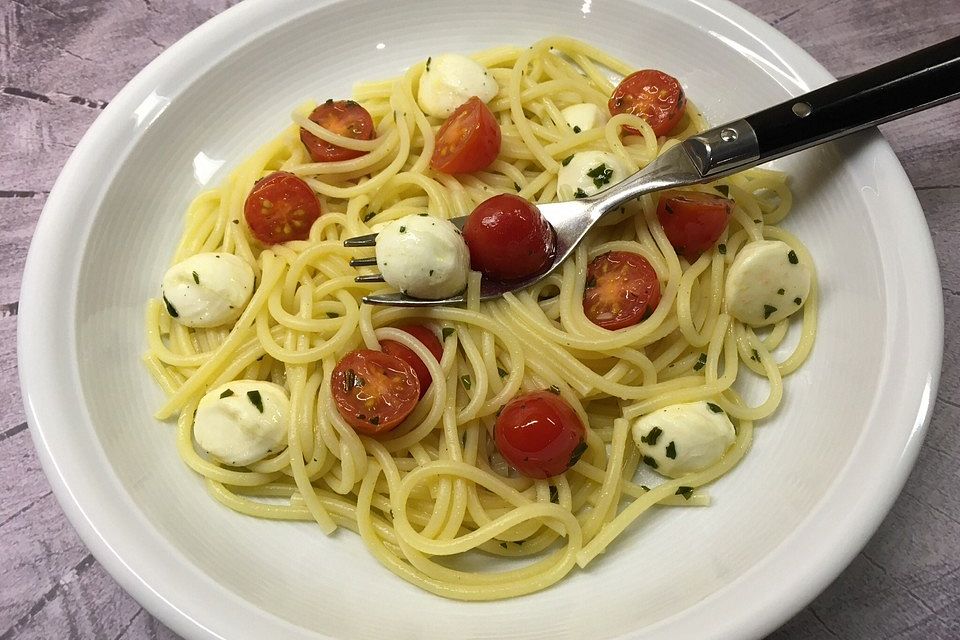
{"x": 914, "y": 82}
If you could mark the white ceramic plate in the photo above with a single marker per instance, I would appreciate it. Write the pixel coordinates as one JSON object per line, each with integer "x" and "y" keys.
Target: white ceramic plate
{"x": 820, "y": 477}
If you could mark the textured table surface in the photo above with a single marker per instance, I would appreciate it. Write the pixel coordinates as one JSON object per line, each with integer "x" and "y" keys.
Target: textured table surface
{"x": 61, "y": 62}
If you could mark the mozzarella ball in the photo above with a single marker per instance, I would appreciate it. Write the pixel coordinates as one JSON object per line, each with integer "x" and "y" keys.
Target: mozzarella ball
{"x": 589, "y": 172}
{"x": 243, "y": 421}
{"x": 450, "y": 80}
{"x": 423, "y": 256}
{"x": 584, "y": 116}
{"x": 684, "y": 438}
{"x": 208, "y": 289}
{"x": 766, "y": 283}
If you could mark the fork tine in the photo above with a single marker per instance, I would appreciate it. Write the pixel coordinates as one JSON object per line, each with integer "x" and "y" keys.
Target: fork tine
{"x": 363, "y": 262}
{"x": 402, "y": 300}
{"x": 375, "y": 277}
{"x": 368, "y": 240}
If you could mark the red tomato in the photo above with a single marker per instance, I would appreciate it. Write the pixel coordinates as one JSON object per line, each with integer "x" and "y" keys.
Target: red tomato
{"x": 693, "y": 221}
{"x": 508, "y": 238}
{"x": 374, "y": 391}
{"x": 622, "y": 289}
{"x": 468, "y": 141}
{"x": 654, "y": 96}
{"x": 429, "y": 340}
{"x": 280, "y": 208}
{"x": 539, "y": 434}
{"x": 343, "y": 117}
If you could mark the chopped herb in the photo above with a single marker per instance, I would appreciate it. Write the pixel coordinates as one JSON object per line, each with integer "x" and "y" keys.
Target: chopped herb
{"x": 722, "y": 248}
{"x": 465, "y": 381}
{"x": 650, "y": 462}
{"x": 447, "y": 332}
{"x": 652, "y": 437}
{"x": 601, "y": 175}
{"x": 196, "y": 278}
{"x": 256, "y": 400}
{"x": 714, "y": 407}
{"x": 375, "y": 420}
{"x": 580, "y": 193}
{"x": 758, "y": 221}
{"x": 797, "y": 301}
{"x": 566, "y": 160}
{"x": 235, "y": 221}
{"x": 502, "y": 372}
{"x": 428, "y": 62}
{"x": 403, "y": 229}
{"x": 781, "y": 291}
{"x": 332, "y": 315}
{"x": 329, "y": 101}
{"x": 723, "y": 189}
{"x": 516, "y": 187}
{"x": 261, "y": 357}
{"x": 756, "y": 356}
{"x": 503, "y": 545}
{"x": 369, "y": 216}
{"x": 351, "y": 103}
{"x": 792, "y": 257}
{"x": 431, "y": 273}
{"x": 577, "y": 129}
{"x": 768, "y": 310}
{"x": 701, "y": 362}
{"x": 227, "y": 393}
{"x": 170, "y": 308}
{"x": 668, "y": 208}
{"x": 672, "y": 450}
{"x": 554, "y": 389}
{"x": 577, "y": 452}
{"x": 423, "y": 215}
{"x": 554, "y": 495}
{"x": 686, "y": 492}
{"x": 645, "y": 487}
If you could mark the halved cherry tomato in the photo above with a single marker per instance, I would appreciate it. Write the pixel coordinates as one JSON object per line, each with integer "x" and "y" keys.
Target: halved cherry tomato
{"x": 654, "y": 96}
{"x": 280, "y": 208}
{"x": 343, "y": 117}
{"x": 539, "y": 434}
{"x": 374, "y": 391}
{"x": 693, "y": 221}
{"x": 508, "y": 238}
{"x": 622, "y": 289}
{"x": 469, "y": 140}
{"x": 429, "y": 340}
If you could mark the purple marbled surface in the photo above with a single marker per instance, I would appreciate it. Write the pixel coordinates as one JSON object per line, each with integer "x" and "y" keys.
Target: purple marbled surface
{"x": 61, "y": 62}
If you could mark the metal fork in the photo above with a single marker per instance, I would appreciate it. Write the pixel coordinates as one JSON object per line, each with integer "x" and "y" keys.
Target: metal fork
{"x": 900, "y": 87}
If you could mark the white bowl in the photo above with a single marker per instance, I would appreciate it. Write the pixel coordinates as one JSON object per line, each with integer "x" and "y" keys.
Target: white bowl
{"x": 821, "y": 474}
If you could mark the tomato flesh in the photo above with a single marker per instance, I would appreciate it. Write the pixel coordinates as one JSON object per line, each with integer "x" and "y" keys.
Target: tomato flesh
{"x": 508, "y": 238}
{"x": 342, "y": 117}
{"x": 652, "y": 95}
{"x": 281, "y": 207}
{"x": 374, "y": 391}
{"x": 429, "y": 340}
{"x": 622, "y": 289}
{"x": 539, "y": 434}
{"x": 693, "y": 221}
{"x": 469, "y": 140}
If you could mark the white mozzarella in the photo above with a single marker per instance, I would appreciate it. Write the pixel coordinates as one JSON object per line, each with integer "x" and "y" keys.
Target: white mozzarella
{"x": 684, "y": 438}
{"x": 584, "y": 116}
{"x": 589, "y": 172}
{"x": 450, "y": 80}
{"x": 767, "y": 282}
{"x": 423, "y": 256}
{"x": 208, "y": 289}
{"x": 243, "y": 421}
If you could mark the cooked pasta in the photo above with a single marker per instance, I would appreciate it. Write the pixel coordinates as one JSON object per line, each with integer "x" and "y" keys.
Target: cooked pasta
{"x": 435, "y": 490}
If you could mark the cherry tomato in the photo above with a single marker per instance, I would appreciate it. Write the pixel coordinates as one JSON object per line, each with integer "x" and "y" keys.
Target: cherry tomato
{"x": 280, "y": 208}
{"x": 693, "y": 221}
{"x": 508, "y": 238}
{"x": 374, "y": 391}
{"x": 622, "y": 289}
{"x": 429, "y": 340}
{"x": 539, "y": 434}
{"x": 468, "y": 141}
{"x": 343, "y": 117}
{"x": 654, "y": 96}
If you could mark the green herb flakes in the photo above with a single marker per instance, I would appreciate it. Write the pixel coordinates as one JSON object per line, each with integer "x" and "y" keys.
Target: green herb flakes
{"x": 502, "y": 372}
{"x": 672, "y": 450}
{"x": 714, "y": 407}
{"x": 686, "y": 492}
{"x": 797, "y": 301}
{"x": 554, "y": 389}
{"x": 577, "y": 452}
{"x": 722, "y": 248}
{"x": 466, "y": 382}
{"x": 256, "y": 400}
{"x": 227, "y": 393}
{"x": 701, "y": 362}
{"x": 601, "y": 175}
{"x": 650, "y": 462}
{"x": 447, "y": 332}
{"x": 792, "y": 257}
{"x": 332, "y": 315}
{"x": 723, "y": 189}
{"x": 580, "y": 193}
{"x": 170, "y": 308}
{"x": 781, "y": 291}
{"x": 652, "y": 437}
{"x": 566, "y": 160}
{"x": 577, "y": 129}
{"x": 196, "y": 278}
{"x": 768, "y": 310}
{"x": 369, "y": 216}
{"x": 403, "y": 229}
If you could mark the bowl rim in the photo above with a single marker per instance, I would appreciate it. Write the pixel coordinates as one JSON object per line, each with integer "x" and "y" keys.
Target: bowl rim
{"x": 195, "y": 606}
